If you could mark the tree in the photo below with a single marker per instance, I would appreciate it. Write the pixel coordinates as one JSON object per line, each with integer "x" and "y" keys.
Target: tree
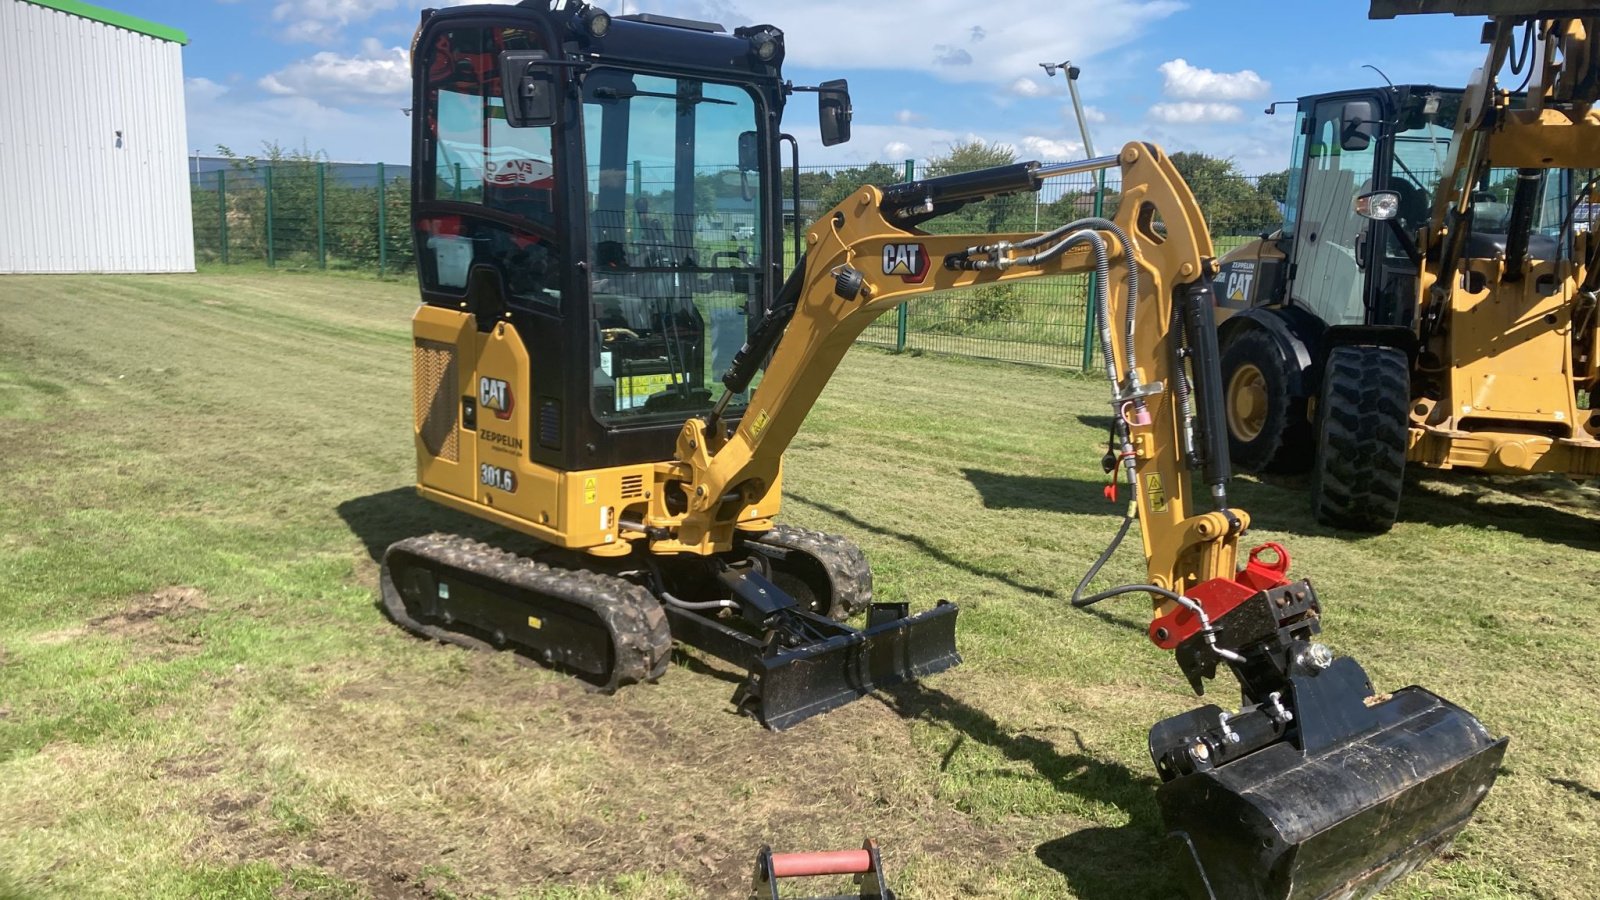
{"x": 1230, "y": 203}
{"x": 1010, "y": 213}
{"x": 1275, "y": 185}
{"x": 966, "y": 156}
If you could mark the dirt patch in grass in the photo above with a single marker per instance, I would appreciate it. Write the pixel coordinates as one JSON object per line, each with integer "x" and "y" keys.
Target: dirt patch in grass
{"x": 142, "y": 617}
{"x": 146, "y": 611}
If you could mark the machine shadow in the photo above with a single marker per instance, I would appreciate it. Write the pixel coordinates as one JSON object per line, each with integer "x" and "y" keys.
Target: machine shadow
{"x": 1100, "y": 863}
{"x": 1001, "y": 490}
{"x": 922, "y": 545}
{"x": 1582, "y": 790}
{"x": 378, "y": 520}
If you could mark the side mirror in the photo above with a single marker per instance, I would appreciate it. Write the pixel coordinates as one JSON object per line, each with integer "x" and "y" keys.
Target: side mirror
{"x": 528, "y": 85}
{"x": 749, "y": 152}
{"x": 1379, "y": 206}
{"x": 834, "y": 112}
{"x": 1356, "y": 122}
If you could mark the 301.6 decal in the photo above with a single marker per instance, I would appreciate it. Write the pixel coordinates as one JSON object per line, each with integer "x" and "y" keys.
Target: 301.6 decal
{"x": 498, "y": 478}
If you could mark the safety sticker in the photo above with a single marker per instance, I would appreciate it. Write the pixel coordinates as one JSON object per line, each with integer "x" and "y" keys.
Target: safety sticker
{"x": 1156, "y": 492}
{"x": 591, "y": 490}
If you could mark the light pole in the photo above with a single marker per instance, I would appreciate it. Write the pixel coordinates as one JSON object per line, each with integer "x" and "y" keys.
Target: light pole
{"x": 1072, "y": 73}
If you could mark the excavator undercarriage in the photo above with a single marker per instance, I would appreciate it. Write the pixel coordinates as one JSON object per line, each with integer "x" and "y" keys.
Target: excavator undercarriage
{"x": 778, "y": 613}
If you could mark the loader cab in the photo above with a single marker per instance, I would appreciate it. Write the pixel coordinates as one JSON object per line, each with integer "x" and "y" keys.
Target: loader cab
{"x": 1338, "y": 266}
{"x": 581, "y": 179}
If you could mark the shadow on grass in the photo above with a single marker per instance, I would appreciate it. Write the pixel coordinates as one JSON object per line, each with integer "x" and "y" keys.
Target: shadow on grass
{"x": 1099, "y": 863}
{"x": 1582, "y": 790}
{"x": 955, "y": 562}
{"x": 378, "y": 520}
{"x": 922, "y": 544}
{"x": 1001, "y": 490}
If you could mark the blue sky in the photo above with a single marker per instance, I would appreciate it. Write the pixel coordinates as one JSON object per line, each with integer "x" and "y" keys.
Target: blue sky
{"x": 330, "y": 75}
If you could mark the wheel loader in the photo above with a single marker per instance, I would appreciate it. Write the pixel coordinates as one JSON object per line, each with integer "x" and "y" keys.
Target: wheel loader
{"x": 1430, "y": 298}
{"x": 598, "y": 368}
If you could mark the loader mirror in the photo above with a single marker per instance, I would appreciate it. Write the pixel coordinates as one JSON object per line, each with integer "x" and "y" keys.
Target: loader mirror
{"x": 834, "y": 112}
{"x": 749, "y": 152}
{"x": 1356, "y": 125}
{"x": 528, "y": 83}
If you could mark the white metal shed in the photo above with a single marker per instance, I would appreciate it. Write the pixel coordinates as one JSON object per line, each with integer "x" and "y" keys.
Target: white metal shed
{"x": 92, "y": 161}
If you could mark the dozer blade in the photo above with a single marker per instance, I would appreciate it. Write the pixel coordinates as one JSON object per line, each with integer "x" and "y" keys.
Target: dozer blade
{"x": 1338, "y": 822}
{"x": 799, "y": 683}
{"x": 789, "y": 684}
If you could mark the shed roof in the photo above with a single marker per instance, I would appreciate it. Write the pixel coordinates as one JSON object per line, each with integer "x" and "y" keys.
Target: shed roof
{"x": 112, "y": 17}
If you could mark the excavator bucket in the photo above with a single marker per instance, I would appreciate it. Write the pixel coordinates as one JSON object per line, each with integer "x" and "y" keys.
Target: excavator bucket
{"x": 1382, "y": 786}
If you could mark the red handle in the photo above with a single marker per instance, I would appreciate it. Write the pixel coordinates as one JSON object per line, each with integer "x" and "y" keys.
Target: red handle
{"x": 833, "y": 862}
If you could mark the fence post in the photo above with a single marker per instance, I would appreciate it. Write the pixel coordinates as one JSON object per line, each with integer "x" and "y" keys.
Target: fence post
{"x": 1089, "y": 307}
{"x": 222, "y": 212}
{"x": 458, "y": 181}
{"x": 272, "y": 254}
{"x": 322, "y": 215}
{"x": 902, "y": 314}
{"x": 383, "y": 238}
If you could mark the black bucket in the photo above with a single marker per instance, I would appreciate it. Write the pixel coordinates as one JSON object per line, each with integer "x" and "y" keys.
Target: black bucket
{"x": 1341, "y": 821}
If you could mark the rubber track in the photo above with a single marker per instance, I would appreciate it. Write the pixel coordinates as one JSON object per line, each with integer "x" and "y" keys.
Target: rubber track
{"x": 1361, "y": 451}
{"x": 640, "y": 636}
{"x": 849, "y": 573}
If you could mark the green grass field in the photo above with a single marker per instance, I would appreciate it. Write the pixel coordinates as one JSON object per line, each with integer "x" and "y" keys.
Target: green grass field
{"x": 198, "y": 697}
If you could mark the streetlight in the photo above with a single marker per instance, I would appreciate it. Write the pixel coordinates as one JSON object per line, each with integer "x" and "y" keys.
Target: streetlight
{"x": 1072, "y": 72}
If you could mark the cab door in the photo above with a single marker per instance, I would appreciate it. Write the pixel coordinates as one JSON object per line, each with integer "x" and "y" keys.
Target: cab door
{"x": 487, "y": 213}
{"x": 1332, "y": 248}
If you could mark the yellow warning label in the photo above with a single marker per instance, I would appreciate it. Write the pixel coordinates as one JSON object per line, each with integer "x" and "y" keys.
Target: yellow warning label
{"x": 591, "y": 490}
{"x": 758, "y": 426}
{"x": 535, "y": 622}
{"x": 1157, "y": 494}
{"x": 634, "y": 390}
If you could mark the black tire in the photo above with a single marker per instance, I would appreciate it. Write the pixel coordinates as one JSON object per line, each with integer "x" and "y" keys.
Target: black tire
{"x": 1276, "y": 437}
{"x": 1362, "y": 426}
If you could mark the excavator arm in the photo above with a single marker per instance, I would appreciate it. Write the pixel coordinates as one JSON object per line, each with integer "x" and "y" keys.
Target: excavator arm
{"x": 864, "y": 260}
{"x": 1316, "y": 785}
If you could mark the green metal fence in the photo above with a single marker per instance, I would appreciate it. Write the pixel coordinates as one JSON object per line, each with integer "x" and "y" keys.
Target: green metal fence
{"x": 317, "y": 215}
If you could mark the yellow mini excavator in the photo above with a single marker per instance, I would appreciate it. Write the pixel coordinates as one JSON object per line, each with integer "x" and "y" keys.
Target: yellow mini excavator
{"x": 611, "y": 358}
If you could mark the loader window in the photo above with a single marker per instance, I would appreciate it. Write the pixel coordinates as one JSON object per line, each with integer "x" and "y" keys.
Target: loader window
{"x": 476, "y": 158}
{"x": 1329, "y": 233}
{"x": 675, "y": 239}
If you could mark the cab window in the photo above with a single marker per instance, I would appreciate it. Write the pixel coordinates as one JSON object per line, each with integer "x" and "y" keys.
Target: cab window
{"x": 474, "y": 157}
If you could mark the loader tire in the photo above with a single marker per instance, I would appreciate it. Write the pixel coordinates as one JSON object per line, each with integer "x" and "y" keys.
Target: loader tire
{"x": 1362, "y": 429}
{"x": 1267, "y": 427}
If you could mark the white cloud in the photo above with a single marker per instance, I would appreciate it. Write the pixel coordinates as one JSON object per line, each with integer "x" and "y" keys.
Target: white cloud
{"x": 1189, "y": 112}
{"x": 1048, "y": 149}
{"x": 377, "y": 73}
{"x": 908, "y": 116}
{"x": 891, "y": 36}
{"x": 1094, "y": 114}
{"x": 1188, "y": 82}
{"x": 202, "y": 89}
{"x": 896, "y": 150}
{"x": 322, "y": 21}
{"x": 219, "y": 115}
{"x": 1027, "y": 87}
